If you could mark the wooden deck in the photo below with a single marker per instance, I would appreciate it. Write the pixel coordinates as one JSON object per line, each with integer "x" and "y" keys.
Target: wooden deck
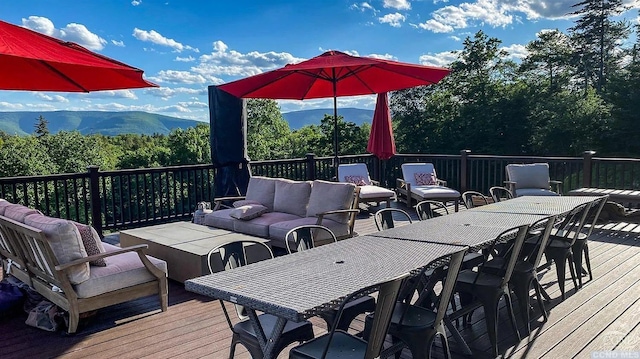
{"x": 604, "y": 315}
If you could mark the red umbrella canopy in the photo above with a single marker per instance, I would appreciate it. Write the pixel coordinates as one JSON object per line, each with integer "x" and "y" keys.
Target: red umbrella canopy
{"x": 32, "y": 61}
{"x": 335, "y": 74}
{"x": 381, "y": 142}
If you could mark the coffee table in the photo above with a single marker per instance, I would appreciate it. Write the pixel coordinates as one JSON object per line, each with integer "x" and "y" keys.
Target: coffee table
{"x": 185, "y": 245}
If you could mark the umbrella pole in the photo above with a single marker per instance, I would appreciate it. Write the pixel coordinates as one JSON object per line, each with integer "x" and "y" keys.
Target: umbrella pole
{"x": 335, "y": 124}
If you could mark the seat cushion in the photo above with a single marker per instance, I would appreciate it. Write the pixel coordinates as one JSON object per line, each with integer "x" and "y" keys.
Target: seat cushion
{"x": 533, "y": 175}
{"x": 65, "y": 241}
{"x": 278, "y": 230}
{"x": 292, "y": 197}
{"x": 534, "y": 192}
{"x": 429, "y": 192}
{"x": 123, "y": 270}
{"x": 330, "y": 196}
{"x": 220, "y": 219}
{"x": 261, "y": 190}
{"x": 259, "y": 226}
{"x": 372, "y": 191}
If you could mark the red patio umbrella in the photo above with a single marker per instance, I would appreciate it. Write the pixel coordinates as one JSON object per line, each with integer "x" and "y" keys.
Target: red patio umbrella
{"x": 381, "y": 142}
{"x": 334, "y": 74}
{"x": 32, "y": 61}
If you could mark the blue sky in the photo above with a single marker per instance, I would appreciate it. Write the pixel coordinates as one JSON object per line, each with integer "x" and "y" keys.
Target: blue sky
{"x": 186, "y": 45}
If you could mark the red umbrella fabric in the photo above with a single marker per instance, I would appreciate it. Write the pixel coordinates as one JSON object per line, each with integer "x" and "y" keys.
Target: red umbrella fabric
{"x": 32, "y": 61}
{"x": 334, "y": 74}
{"x": 381, "y": 142}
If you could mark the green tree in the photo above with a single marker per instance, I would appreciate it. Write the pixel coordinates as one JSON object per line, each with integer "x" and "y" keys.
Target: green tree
{"x": 24, "y": 156}
{"x": 549, "y": 60}
{"x": 42, "y": 126}
{"x": 267, "y": 131}
{"x": 190, "y": 146}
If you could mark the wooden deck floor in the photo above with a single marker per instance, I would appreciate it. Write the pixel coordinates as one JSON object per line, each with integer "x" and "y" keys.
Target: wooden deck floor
{"x": 604, "y": 315}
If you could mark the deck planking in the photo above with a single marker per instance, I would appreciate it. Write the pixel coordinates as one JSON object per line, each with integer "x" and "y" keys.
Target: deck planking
{"x": 603, "y": 315}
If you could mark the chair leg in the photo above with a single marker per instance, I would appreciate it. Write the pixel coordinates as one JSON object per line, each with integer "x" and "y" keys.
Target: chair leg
{"x": 572, "y": 270}
{"x": 521, "y": 290}
{"x": 232, "y": 349}
{"x": 512, "y": 315}
{"x": 491, "y": 318}
{"x": 445, "y": 345}
{"x": 538, "y": 289}
{"x": 559, "y": 259}
{"x": 577, "y": 250}
{"x": 587, "y": 260}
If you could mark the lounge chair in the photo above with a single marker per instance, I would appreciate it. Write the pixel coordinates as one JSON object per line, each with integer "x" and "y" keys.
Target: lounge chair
{"x": 420, "y": 182}
{"x": 531, "y": 180}
{"x": 370, "y": 190}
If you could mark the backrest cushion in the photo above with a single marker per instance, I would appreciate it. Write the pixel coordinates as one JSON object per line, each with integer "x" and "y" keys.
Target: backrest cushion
{"x": 409, "y": 171}
{"x": 262, "y": 190}
{"x": 18, "y": 212}
{"x": 533, "y": 175}
{"x": 92, "y": 243}
{"x": 65, "y": 241}
{"x": 3, "y": 204}
{"x": 292, "y": 197}
{"x": 330, "y": 196}
{"x": 355, "y": 173}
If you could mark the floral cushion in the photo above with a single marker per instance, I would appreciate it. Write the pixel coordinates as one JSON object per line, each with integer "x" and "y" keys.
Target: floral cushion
{"x": 356, "y": 180}
{"x": 425, "y": 179}
{"x": 92, "y": 243}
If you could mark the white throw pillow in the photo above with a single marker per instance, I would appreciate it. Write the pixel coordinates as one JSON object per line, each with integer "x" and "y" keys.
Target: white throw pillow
{"x": 248, "y": 212}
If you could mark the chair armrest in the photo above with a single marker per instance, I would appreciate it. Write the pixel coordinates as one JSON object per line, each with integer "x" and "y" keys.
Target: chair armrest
{"x": 511, "y": 186}
{"x": 375, "y": 183}
{"x": 352, "y": 217}
{"x": 440, "y": 182}
{"x": 218, "y": 202}
{"x": 139, "y": 248}
{"x": 558, "y": 185}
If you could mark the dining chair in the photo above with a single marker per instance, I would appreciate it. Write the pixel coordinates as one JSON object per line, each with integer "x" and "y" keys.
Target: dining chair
{"x": 531, "y": 179}
{"x": 500, "y": 194}
{"x": 525, "y": 273}
{"x": 472, "y": 199}
{"x": 480, "y": 288}
{"x": 561, "y": 244}
{"x": 384, "y": 218}
{"x": 415, "y": 326}
{"x": 302, "y": 238}
{"x": 233, "y": 254}
{"x": 340, "y": 344}
{"x": 428, "y": 209}
{"x": 580, "y": 246}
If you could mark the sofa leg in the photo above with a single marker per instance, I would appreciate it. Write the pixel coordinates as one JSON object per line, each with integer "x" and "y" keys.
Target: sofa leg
{"x": 164, "y": 294}
{"x": 74, "y": 319}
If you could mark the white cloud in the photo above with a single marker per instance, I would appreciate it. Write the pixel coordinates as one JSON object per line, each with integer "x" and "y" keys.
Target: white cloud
{"x": 193, "y": 104}
{"x": 395, "y": 19}
{"x": 156, "y": 38}
{"x": 11, "y": 106}
{"x": 441, "y": 59}
{"x": 185, "y": 59}
{"x": 136, "y": 2}
{"x": 397, "y": 4}
{"x": 50, "y": 98}
{"x": 123, "y": 94}
{"x": 166, "y": 93}
{"x": 364, "y": 6}
{"x": 118, "y": 43}
{"x": 73, "y": 32}
{"x": 179, "y": 77}
{"x": 455, "y": 38}
{"x": 516, "y": 51}
{"x": 383, "y": 56}
{"x": 435, "y": 26}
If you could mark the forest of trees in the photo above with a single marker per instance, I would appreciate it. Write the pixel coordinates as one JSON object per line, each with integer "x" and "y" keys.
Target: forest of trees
{"x": 574, "y": 91}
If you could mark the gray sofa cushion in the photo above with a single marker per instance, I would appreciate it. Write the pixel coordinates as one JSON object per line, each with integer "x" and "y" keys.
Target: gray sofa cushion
{"x": 291, "y": 197}
{"x": 3, "y": 205}
{"x": 329, "y": 196}
{"x": 123, "y": 270}
{"x": 534, "y": 175}
{"x": 18, "y": 212}
{"x": 65, "y": 241}
{"x": 220, "y": 219}
{"x": 277, "y": 231}
{"x": 260, "y": 226}
{"x": 262, "y": 190}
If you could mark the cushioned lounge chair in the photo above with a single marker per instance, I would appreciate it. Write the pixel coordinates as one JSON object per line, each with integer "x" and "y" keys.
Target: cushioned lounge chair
{"x": 531, "y": 180}
{"x": 420, "y": 182}
{"x": 370, "y": 190}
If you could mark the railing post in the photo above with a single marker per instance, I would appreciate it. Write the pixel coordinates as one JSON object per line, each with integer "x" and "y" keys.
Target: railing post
{"x": 311, "y": 166}
{"x": 464, "y": 179}
{"x": 94, "y": 196}
{"x": 587, "y": 168}
{"x": 376, "y": 171}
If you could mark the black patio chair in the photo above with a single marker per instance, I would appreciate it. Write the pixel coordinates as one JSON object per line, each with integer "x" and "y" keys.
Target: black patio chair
{"x": 581, "y": 247}
{"x": 339, "y": 344}
{"x": 384, "y": 217}
{"x": 302, "y": 238}
{"x": 500, "y": 193}
{"x": 233, "y": 254}
{"x": 472, "y": 199}
{"x": 428, "y": 209}
{"x": 484, "y": 289}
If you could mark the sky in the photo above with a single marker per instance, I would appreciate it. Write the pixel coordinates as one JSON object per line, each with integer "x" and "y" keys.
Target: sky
{"x": 185, "y": 46}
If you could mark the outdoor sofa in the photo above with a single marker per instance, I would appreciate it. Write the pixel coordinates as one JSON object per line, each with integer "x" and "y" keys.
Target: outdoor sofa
{"x": 68, "y": 264}
{"x": 273, "y": 206}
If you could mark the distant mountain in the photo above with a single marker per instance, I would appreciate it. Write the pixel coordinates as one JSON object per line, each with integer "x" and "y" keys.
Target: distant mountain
{"x": 298, "y": 119}
{"x": 92, "y": 122}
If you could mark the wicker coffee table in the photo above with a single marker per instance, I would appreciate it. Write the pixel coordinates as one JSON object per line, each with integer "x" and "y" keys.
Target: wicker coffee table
{"x": 184, "y": 246}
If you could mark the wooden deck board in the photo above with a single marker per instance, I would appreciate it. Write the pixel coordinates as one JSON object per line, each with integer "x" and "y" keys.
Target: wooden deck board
{"x": 603, "y": 315}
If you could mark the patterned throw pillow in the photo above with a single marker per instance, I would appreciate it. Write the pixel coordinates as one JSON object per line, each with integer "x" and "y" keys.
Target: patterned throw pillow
{"x": 92, "y": 243}
{"x": 356, "y": 180}
{"x": 425, "y": 179}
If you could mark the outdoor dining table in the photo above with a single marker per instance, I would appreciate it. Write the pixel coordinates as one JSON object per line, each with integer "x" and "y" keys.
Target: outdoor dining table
{"x": 546, "y": 205}
{"x": 303, "y": 284}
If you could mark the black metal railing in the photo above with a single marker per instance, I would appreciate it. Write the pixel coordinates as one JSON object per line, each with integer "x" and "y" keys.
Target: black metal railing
{"x": 115, "y": 200}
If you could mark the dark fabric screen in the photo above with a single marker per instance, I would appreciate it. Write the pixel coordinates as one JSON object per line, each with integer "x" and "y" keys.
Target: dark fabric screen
{"x": 227, "y": 121}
